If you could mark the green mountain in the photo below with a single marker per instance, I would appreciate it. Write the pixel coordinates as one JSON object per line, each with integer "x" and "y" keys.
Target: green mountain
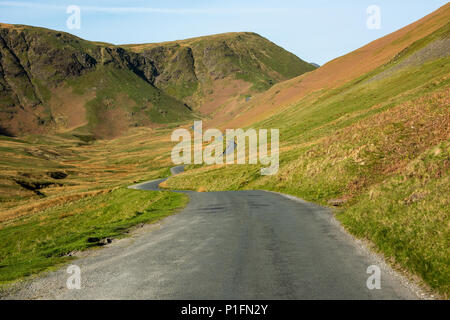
{"x": 52, "y": 81}
{"x": 188, "y": 66}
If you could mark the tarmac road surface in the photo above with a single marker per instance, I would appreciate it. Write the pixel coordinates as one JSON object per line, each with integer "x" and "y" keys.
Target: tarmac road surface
{"x": 229, "y": 245}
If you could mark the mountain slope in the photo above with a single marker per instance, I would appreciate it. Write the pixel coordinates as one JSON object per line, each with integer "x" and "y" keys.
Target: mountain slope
{"x": 53, "y": 81}
{"x": 207, "y": 71}
{"x": 338, "y": 71}
{"x": 377, "y": 146}
{"x": 47, "y": 78}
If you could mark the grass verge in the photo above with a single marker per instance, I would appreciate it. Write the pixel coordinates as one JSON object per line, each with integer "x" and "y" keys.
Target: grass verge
{"x": 39, "y": 242}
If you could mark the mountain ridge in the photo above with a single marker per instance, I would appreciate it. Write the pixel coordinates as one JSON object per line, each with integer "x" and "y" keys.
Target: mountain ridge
{"x": 253, "y": 59}
{"x": 37, "y": 64}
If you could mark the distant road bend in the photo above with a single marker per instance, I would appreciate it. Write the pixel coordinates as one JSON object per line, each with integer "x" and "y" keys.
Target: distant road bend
{"x": 229, "y": 245}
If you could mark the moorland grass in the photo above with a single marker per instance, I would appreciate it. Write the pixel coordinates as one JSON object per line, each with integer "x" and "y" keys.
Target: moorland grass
{"x": 41, "y": 241}
{"x": 381, "y": 147}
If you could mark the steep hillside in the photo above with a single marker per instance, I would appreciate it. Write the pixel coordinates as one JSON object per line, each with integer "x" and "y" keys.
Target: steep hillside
{"x": 376, "y": 145}
{"x": 52, "y": 81}
{"x": 336, "y": 72}
{"x": 213, "y": 72}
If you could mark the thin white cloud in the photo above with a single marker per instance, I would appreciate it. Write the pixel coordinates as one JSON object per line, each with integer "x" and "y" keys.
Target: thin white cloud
{"x": 119, "y": 10}
{"x": 30, "y": 5}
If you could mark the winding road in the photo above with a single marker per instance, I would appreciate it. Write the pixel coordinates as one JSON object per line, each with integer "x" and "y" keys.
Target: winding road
{"x": 229, "y": 245}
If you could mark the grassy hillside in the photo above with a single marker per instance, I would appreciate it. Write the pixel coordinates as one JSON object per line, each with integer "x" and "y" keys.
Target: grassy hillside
{"x": 52, "y": 82}
{"x": 199, "y": 70}
{"x": 61, "y": 194}
{"x": 335, "y": 73}
{"x": 39, "y": 171}
{"x": 122, "y": 100}
{"x": 377, "y": 146}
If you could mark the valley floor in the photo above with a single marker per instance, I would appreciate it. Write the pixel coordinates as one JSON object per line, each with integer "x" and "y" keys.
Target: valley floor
{"x": 230, "y": 245}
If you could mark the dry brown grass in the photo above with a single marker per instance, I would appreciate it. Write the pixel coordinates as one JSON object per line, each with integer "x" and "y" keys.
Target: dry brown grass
{"x": 9, "y": 26}
{"x": 68, "y": 108}
{"x": 399, "y": 134}
{"x": 41, "y": 205}
{"x": 339, "y": 71}
{"x": 184, "y": 42}
{"x": 142, "y": 154}
{"x": 223, "y": 99}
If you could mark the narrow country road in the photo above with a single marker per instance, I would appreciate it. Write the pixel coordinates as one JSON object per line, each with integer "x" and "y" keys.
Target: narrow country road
{"x": 228, "y": 245}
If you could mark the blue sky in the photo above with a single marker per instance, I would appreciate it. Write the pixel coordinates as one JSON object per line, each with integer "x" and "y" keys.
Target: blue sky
{"x": 315, "y": 30}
